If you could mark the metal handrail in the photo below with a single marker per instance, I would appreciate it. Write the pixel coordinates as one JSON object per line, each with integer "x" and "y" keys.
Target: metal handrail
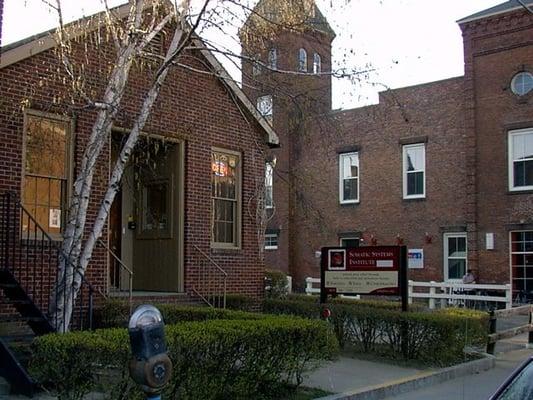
{"x": 124, "y": 266}
{"x": 225, "y": 277}
{"x": 52, "y": 242}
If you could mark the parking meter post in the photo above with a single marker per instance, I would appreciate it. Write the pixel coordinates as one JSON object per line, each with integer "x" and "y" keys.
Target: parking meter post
{"x": 530, "y": 335}
{"x": 492, "y": 329}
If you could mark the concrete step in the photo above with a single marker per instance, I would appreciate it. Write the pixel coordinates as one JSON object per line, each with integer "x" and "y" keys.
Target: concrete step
{"x": 4, "y": 387}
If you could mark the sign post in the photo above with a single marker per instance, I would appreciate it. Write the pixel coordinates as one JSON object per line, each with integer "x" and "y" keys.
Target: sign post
{"x": 372, "y": 270}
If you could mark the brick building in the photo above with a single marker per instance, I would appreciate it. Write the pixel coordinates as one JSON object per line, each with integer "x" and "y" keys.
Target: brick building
{"x": 181, "y": 220}
{"x": 445, "y": 168}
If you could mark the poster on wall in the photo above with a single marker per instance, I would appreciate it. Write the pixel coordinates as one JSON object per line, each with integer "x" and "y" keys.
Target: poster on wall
{"x": 415, "y": 258}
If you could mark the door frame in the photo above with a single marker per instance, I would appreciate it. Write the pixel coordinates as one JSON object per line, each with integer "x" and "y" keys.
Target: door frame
{"x": 179, "y": 213}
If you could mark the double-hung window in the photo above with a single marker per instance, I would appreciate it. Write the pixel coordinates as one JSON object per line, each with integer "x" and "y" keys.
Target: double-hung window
{"x": 455, "y": 255}
{"x": 271, "y": 240}
{"x": 349, "y": 178}
{"x": 226, "y": 198}
{"x": 269, "y": 185}
{"x": 522, "y": 262}
{"x": 414, "y": 171}
{"x": 47, "y": 165}
{"x": 264, "y": 106}
{"x": 521, "y": 159}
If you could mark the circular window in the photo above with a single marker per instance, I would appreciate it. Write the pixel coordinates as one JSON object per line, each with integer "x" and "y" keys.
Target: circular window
{"x": 522, "y": 83}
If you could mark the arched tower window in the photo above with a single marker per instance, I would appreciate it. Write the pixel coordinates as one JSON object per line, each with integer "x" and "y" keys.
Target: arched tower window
{"x": 317, "y": 64}
{"x": 256, "y": 67}
{"x": 302, "y": 60}
{"x": 273, "y": 58}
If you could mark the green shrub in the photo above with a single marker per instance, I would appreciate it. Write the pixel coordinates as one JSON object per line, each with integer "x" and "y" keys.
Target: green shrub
{"x": 381, "y": 328}
{"x": 115, "y": 313}
{"x": 217, "y": 359}
{"x": 276, "y": 284}
{"x": 241, "y": 302}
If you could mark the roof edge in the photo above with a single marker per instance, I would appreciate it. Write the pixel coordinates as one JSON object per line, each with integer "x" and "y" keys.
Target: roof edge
{"x": 476, "y": 16}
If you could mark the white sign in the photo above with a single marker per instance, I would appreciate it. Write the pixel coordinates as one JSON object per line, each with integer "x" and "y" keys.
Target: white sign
{"x": 415, "y": 258}
{"x": 54, "y": 220}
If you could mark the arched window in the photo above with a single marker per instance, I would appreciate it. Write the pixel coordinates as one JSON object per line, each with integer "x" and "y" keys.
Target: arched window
{"x": 317, "y": 64}
{"x": 273, "y": 58}
{"x": 256, "y": 67}
{"x": 302, "y": 60}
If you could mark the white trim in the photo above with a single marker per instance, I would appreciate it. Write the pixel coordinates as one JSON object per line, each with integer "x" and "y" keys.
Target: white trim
{"x": 341, "y": 178}
{"x": 513, "y": 82}
{"x": 516, "y": 252}
{"x": 511, "y": 160}
{"x": 405, "y": 148}
{"x": 445, "y": 238}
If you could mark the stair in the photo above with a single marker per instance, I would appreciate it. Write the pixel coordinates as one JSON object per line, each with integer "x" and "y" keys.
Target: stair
{"x": 18, "y": 330}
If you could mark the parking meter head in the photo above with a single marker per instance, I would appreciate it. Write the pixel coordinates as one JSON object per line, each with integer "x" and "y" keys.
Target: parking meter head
{"x": 150, "y": 365}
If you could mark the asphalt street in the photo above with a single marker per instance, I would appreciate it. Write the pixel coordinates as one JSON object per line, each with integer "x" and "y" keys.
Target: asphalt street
{"x": 471, "y": 387}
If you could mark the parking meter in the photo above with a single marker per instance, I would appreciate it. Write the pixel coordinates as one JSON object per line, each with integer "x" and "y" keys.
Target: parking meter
{"x": 150, "y": 365}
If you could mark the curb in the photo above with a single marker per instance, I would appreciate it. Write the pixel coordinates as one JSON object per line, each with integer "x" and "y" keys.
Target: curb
{"x": 392, "y": 388}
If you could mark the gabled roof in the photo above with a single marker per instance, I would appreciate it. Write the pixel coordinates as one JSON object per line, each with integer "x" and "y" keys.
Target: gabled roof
{"x": 508, "y": 6}
{"x": 36, "y": 44}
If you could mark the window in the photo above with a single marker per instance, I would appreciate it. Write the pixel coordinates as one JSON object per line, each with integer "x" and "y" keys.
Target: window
{"x": 264, "y": 106}
{"x": 302, "y": 60}
{"x": 225, "y": 183}
{"x": 522, "y": 83}
{"x": 349, "y": 241}
{"x": 522, "y": 263}
{"x": 269, "y": 185}
{"x": 317, "y": 64}
{"x": 414, "y": 171}
{"x": 455, "y": 255}
{"x": 521, "y": 159}
{"x": 349, "y": 178}
{"x": 46, "y": 170}
{"x": 273, "y": 58}
{"x": 271, "y": 240}
{"x": 256, "y": 66}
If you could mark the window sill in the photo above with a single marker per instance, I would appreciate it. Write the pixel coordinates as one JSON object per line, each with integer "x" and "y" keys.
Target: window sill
{"x": 222, "y": 250}
{"x": 349, "y": 203}
{"x": 528, "y": 190}
{"x": 414, "y": 199}
{"x": 271, "y": 248}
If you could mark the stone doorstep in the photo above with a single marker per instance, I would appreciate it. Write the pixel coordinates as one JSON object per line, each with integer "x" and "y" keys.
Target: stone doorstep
{"x": 423, "y": 379}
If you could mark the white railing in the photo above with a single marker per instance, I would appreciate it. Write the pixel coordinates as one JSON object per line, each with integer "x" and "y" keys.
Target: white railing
{"x": 453, "y": 293}
{"x": 310, "y": 289}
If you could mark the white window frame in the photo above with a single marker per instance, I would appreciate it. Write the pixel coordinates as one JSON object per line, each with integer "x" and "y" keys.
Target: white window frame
{"x": 271, "y": 235}
{"x": 317, "y": 64}
{"x": 527, "y": 131}
{"x": 267, "y": 114}
{"x": 405, "y": 172}
{"x": 302, "y": 60}
{"x": 269, "y": 184}
{"x": 514, "y": 86}
{"x": 447, "y": 236}
{"x": 341, "y": 178}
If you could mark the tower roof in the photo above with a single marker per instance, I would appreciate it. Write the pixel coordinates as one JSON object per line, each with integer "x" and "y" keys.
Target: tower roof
{"x": 305, "y": 12}
{"x": 508, "y": 6}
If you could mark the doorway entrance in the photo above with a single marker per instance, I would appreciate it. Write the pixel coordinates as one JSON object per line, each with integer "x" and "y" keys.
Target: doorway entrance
{"x": 146, "y": 229}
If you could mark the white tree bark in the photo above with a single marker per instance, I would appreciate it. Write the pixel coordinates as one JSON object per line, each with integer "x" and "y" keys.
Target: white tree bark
{"x": 70, "y": 270}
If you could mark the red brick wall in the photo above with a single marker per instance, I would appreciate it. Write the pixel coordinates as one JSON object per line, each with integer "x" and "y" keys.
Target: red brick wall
{"x": 496, "y": 48}
{"x": 431, "y": 113}
{"x": 194, "y": 107}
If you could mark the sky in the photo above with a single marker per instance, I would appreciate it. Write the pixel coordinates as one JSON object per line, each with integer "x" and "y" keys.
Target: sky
{"x": 403, "y": 42}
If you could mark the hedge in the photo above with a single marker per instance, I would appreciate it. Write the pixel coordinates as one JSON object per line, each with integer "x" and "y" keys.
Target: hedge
{"x": 115, "y": 313}
{"x": 216, "y": 359}
{"x": 434, "y": 338}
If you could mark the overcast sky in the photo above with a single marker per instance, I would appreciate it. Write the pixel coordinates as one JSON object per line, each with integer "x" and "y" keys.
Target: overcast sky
{"x": 405, "y": 42}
